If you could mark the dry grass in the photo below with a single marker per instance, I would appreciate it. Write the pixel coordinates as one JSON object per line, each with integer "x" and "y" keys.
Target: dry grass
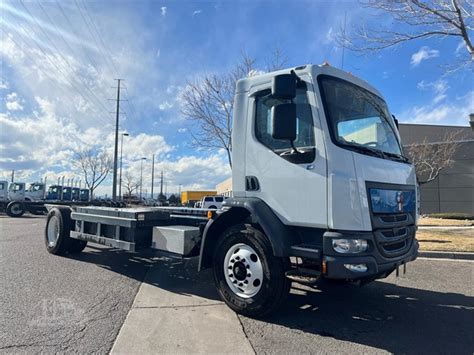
{"x": 446, "y": 240}
{"x": 428, "y": 221}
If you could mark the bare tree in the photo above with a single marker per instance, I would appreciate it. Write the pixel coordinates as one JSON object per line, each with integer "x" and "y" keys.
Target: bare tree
{"x": 413, "y": 20}
{"x": 130, "y": 184}
{"x": 431, "y": 158}
{"x": 209, "y": 103}
{"x": 95, "y": 166}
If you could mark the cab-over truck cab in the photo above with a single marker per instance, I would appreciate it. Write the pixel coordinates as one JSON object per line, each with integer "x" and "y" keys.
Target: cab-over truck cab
{"x": 318, "y": 174}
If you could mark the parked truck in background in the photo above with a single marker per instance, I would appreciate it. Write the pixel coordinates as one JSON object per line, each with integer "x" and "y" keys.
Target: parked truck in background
{"x": 321, "y": 189}
{"x": 210, "y": 202}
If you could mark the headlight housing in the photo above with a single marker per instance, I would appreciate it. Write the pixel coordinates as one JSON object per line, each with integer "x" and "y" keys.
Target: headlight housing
{"x": 349, "y": 246}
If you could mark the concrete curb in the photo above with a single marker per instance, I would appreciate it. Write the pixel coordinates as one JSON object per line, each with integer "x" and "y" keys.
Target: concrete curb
{"x": 454, "y": 228}
{"x": 446, "y": 255}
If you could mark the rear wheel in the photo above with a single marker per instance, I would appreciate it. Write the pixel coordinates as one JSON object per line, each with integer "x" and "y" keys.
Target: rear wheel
{"x": 249, "y": 278}
{"x": 58, "y": 227}
{"x": 15, "y": 209}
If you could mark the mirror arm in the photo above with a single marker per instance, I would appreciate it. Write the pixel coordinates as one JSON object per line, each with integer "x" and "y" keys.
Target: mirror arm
{"x": 297, "y": 78}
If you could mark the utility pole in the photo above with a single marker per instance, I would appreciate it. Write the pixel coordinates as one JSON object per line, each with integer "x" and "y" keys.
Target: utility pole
{"x": 161, "y": 184}
{"x": 141, "y": 176}
{"x": 121, "y": 154}
{"x": 117, "y": 115}
{"x": 152, "y": 174}
{"x": 13, "y": 175}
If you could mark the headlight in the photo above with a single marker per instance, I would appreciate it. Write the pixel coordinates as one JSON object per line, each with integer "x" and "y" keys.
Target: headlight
{"x": 349, "y": 246}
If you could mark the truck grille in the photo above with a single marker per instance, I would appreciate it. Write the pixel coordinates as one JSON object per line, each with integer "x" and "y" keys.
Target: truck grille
{"x": 394, "y": 234}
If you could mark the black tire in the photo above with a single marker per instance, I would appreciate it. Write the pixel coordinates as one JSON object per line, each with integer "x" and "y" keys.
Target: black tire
{"x": 275, "y": 286}
{"x": 15, "y": 209}
{"x": 56, "y": 234}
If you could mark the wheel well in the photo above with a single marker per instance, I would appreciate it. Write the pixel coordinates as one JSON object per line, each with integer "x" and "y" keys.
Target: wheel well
{"x": 214, "y": 230}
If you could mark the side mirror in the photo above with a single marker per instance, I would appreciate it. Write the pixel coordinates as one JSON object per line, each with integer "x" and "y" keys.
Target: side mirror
{"x": 284, "y": 122}
{"x": 284, "y": 86}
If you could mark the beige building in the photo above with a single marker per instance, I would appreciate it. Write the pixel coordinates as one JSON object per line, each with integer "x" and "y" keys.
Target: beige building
{"x": 225, "y": 188}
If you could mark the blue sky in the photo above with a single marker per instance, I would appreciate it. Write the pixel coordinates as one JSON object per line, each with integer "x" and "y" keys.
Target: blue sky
{"x": 58, "y": 62}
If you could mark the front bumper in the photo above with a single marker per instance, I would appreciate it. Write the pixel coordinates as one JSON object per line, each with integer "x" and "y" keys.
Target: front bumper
{"x": 378, "y": 265}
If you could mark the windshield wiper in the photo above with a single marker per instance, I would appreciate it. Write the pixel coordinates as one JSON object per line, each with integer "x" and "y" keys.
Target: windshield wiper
{"x": 397, "y": 156}
{"x": 370, "y": 151}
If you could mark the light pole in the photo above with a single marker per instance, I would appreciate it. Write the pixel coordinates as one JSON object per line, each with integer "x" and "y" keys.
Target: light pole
{"x": 120, "y": 178}
{"x": 141, "y": 176}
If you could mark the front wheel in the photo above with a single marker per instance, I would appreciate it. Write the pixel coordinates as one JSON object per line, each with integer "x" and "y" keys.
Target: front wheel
{"x": 248, "y": 277}
{"x": 15, "y": 209}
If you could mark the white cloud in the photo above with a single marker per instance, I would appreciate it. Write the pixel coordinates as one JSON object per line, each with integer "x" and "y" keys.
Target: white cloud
{"x": 182, "y": 130}
{"x": 439, "y": 87}
{"x": 454, "y": 112}
{"x": 424, "y": 53}
{"x": 13, "y": 102}
{"x": 163, "y": 11}
{"x": 165, "y": 105}
{"x": 196, "y": 12}
{"x": 330, "y": 36}
{"x": 158, "y": 53}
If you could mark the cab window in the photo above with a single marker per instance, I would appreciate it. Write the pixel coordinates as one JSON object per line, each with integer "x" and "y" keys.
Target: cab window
{"x": 304, "y": 143}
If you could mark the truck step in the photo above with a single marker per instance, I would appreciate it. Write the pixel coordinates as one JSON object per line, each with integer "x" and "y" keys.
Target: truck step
{"x": 303, "y": 275}
{"x": 310, "y": 251}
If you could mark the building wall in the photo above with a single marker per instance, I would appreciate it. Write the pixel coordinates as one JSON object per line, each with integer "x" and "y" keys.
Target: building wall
{"x": 453, "y": 190}
{"x": 225, "y": 188}
{"x": 193, "y": 196}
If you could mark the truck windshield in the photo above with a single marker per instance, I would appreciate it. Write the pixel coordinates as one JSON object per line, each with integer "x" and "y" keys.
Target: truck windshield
{"x": 359, "y": 119}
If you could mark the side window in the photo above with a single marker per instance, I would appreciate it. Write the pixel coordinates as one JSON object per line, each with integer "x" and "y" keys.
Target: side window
{"x": 219, "y": 199}
{"x": 2, "y": 186}
{"x": 304, "y": 143}
{"x": 209, "y": 199}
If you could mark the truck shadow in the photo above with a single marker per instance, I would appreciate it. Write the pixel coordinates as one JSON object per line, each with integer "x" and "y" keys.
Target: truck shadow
{"x": 173, "y": 274}
{"x": 383, "y": 315}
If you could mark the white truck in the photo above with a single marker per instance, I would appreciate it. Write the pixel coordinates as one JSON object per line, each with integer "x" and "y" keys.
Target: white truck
{"x": 17, "y": 191}
{"x": 210, "y": 202}
{"x": 321, "y": 189}
{"x": 16, "y": 199}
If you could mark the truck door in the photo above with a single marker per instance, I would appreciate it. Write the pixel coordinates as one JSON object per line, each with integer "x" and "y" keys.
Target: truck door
{"x": 292, "y": 183}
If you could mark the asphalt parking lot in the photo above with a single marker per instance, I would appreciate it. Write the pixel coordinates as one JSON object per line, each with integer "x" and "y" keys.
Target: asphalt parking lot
{"x": 56, "y": 304}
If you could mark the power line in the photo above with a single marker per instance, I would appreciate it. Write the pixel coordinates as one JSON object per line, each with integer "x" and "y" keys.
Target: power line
{"x": 68, "y": 133}
{"x": 100, "y": 38}
{"x": 73, "y": 86}
{"x": 95, "y": 66}
{"x": 93, "y": 95}
{"x": 109, "y": 55}
{"x": 93, "y": 37}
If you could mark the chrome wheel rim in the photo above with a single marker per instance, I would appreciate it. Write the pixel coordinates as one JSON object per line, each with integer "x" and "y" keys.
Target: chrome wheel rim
{"x": 53, "y": 231}
{"x": 243, "y": 270}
